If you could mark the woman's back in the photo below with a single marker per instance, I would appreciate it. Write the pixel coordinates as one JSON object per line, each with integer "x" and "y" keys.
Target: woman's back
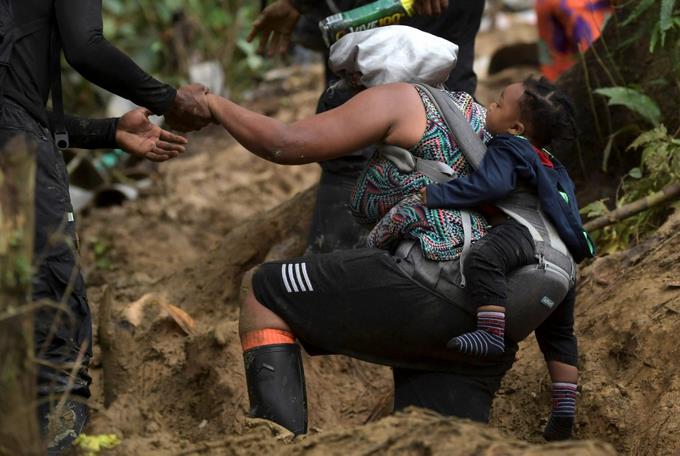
{"x": 386, "y": 195}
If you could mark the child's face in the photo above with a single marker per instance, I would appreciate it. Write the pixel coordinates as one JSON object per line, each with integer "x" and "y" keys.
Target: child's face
{"x": 503, "y": 116}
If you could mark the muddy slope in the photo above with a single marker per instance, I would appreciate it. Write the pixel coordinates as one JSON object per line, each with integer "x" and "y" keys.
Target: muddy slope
{"x": 174, "y": 385}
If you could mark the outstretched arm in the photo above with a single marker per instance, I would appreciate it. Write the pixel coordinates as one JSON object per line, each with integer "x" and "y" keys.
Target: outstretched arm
{"x": 390, "y": 114}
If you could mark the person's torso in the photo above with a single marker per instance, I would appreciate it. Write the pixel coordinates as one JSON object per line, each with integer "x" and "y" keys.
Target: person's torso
{"x": 387, "y": 195}
{"x": 28, "y": 78}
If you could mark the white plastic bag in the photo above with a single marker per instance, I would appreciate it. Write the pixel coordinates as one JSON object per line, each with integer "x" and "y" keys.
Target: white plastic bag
{"x": 394, "y": 53}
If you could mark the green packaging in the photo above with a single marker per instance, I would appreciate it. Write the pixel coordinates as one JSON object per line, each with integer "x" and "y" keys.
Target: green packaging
{"x": 376, "y": 14}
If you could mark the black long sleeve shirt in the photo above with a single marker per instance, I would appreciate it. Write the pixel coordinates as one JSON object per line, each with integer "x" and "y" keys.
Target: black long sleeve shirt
{"x": 87, "y": 51}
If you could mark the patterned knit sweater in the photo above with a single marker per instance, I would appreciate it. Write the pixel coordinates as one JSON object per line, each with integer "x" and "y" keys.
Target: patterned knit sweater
{"x": 386, "y": 196}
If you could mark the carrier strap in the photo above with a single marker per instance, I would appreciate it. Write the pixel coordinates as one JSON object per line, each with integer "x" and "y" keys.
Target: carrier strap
{"x": 468, "y": 141}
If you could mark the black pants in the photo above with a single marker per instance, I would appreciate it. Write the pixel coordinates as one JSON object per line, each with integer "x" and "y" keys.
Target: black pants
{"x": 448, "y": 394}
{"x": 59, "y": 333}
{"x": 506, "y": 247}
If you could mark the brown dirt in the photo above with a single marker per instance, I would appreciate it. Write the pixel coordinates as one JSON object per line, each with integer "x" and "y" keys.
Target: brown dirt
{"x": 169, "y": 388}
{"x": 627, "y": 321}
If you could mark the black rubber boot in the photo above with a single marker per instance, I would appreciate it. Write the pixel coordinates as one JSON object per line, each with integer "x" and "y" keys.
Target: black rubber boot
{"x": 60, "y": 426}
{"x": 276, "y": 385}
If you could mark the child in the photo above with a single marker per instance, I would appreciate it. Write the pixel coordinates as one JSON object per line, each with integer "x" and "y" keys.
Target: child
{"x": 528, "y": 117}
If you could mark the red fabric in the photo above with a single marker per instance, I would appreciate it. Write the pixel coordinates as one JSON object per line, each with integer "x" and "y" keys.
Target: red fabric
{"x": 567, "y": 28}
{"x": 545, "y": 159}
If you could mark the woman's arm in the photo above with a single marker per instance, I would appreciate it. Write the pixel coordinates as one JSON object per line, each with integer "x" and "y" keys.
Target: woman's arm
{"x": 390, "y": 114}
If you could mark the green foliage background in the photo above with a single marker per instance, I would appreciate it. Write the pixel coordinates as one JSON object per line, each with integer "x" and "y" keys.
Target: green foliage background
{"x": 164, "y": 37}
{"x": 658, "y": 148}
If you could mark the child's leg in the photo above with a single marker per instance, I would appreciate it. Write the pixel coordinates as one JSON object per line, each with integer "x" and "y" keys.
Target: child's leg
{"x": 564, "y": 381}
{"x": 508, "y": 246}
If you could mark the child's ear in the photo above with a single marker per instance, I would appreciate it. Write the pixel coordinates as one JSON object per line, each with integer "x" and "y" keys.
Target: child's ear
{"x": 517, "y": 129}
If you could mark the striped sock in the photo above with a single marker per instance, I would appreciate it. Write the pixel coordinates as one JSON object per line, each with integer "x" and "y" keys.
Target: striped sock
{"x": 487, "y": 340}
{"x": 561, "y": 421}
{"x": 267, "y": 336}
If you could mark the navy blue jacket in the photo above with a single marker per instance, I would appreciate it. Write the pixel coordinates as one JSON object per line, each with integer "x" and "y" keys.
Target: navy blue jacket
{"x": 509, "y": 159}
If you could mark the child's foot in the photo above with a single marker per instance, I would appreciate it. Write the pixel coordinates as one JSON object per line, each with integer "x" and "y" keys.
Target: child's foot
{"x": 558, "y": 428}
{"x": 488, "y": 340}
{"x": 561, "y": 421}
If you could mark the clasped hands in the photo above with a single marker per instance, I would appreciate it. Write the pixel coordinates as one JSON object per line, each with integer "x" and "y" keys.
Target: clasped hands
{"x": 137, "y": 135}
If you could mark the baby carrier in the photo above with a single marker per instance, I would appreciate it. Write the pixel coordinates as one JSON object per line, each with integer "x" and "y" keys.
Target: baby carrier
{"x": 534, "y": 290}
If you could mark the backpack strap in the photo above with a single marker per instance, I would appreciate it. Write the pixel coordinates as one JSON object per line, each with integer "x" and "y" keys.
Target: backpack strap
{"x": 61, "y": 138}
{"x": 11, "y": 34}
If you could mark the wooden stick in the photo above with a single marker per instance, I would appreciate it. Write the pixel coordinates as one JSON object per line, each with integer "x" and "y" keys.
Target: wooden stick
{"x": 18, "y": 424}
{"x": 668, "y": 193}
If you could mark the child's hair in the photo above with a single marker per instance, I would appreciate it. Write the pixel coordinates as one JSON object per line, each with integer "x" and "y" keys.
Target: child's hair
{"x": 548, "y": 111}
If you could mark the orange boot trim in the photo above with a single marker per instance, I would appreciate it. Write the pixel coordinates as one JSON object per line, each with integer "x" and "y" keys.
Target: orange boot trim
{"x": 268, "y": 336}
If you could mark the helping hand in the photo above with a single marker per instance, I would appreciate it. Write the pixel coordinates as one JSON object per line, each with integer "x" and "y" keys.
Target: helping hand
{"x": 189, "y": 112}
{"x": 275, "y": 25}
{"x": 430, "y": 7}
{"x": 137, "y": 135}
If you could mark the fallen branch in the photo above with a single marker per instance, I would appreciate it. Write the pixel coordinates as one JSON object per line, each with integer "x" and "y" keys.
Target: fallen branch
{"x": 668, "y": 193}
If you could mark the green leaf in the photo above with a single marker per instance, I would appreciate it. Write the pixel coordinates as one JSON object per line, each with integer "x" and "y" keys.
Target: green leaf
{"x": 666, "y": 21}
{"x": 635, "y": 173}
{"x": 641, "y": 8}
{"x": 594, "y": 209}
{"x": 657, "y": 134}
{"x": 633, "y": 100}
{"x": 656, "y": 33}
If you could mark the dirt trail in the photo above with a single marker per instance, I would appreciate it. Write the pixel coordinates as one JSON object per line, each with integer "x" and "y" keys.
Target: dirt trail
{"x": 209, "y": 217}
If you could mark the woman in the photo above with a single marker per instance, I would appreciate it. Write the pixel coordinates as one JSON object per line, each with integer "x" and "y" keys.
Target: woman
{"x": 364, "y": 302}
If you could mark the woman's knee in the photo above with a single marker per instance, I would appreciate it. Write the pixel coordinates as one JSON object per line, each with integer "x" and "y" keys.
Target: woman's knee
{"x": 253, "y": 314}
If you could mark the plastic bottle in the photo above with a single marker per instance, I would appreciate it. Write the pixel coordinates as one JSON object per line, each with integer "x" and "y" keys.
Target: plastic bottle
{"x": 376, "y": 14}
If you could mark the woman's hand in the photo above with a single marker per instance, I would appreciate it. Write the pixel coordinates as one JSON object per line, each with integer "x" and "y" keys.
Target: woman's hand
{"x": 137, "y": 135}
